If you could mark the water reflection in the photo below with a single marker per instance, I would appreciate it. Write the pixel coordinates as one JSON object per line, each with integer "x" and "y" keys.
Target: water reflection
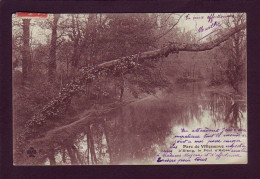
{"x": 134, "y": 133}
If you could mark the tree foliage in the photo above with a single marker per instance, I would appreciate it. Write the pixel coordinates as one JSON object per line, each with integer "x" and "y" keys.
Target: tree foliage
{"x": 94, "y": 60}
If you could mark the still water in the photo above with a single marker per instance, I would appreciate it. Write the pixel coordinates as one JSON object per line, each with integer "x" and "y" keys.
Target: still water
{"x": 136, "y": 132}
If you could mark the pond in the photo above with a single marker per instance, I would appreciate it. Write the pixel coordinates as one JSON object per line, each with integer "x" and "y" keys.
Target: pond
{"x": 138, "y": 131}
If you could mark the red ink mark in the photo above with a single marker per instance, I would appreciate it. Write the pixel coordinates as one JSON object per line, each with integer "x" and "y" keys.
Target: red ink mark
{"x": 31, "y": 15}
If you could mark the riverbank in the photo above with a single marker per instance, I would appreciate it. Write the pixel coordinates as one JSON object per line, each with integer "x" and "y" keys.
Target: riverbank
{"x": 227, "y": 90}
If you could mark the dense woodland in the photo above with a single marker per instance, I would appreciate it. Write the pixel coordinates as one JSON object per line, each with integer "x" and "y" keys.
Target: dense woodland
{"x": 84, "y": 67}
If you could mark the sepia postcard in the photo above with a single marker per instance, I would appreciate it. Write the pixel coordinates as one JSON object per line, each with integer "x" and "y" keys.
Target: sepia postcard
{"x": 129, "y": 89}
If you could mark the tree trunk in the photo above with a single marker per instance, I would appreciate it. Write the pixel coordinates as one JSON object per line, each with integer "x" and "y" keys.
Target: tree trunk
{"x": 52, "y": 158}
{"x": 76, "y": 36}
{"x": 72, "y": 156}
{"x": 26, "y": 58}
{"x": 53, "y": 47}
{"x": 91, "y": 143}
{"x": 111, "y": 160}
{"x": 64, "y": 155}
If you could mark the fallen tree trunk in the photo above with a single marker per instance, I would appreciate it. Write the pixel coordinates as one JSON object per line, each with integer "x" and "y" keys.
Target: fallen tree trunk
{"x": 58, "y": 105}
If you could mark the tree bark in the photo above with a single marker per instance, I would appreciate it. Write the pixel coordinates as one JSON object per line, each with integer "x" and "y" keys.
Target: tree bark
{"x": 53, "y": 48}
{"x": 111, "y": 159}
{"x": 26, "y": 58}
{"x": 76, "y": 37}
{"x": 91, "y": 143}
{"x": 52, "y": 157}
{"x": 72, "y": 156}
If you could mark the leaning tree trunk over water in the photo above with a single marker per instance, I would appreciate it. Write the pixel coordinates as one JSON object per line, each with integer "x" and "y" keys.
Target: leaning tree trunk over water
{"x": 117, "y": 67}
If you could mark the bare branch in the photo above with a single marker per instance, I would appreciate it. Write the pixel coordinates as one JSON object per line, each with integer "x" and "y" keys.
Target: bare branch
{"x": 161, "y": 35}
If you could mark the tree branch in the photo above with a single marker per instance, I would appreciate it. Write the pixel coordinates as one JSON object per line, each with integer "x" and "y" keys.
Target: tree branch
{"x": 171, "y": 48}
{"x": 163, "y": 34}
{"x": 57, "y": 106}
